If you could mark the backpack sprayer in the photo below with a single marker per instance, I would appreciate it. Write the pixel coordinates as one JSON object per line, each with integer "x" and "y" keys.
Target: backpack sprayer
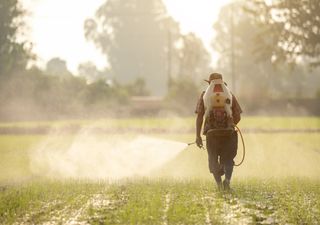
{"x": 243, "y": 147}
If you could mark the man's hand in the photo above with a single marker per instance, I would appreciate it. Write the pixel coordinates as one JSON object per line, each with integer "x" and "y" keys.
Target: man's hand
{"x": 199, "y": 142}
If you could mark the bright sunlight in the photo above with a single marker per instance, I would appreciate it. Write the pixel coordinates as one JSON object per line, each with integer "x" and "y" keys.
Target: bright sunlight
{"x": 49, "y": 18}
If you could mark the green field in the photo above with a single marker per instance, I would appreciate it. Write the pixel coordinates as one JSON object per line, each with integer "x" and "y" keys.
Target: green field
{"x": 175, "y": 122}
{"x": 279, "y": 182}
{"x": 161, "y": 202}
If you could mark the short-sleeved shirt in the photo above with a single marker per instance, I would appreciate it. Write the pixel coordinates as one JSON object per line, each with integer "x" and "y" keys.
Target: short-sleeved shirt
{"x": 236, "y": 109}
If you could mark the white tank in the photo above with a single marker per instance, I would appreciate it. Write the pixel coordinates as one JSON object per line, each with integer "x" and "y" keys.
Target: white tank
{"x": 218, "y": 97}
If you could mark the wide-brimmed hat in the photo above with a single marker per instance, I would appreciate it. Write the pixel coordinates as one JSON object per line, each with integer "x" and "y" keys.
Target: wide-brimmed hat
{"x": 214, "y": 76}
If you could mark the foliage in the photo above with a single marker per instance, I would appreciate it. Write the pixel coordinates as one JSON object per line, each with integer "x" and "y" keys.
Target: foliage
{"x": 249, "y": 80}
{"x": 256, "y": 78}
{"x": 290, "y": 30}
{"x": 134, "y": 37}
{"x": 194, "y": 59}
{"x": 13, "y": 53}
{"x": 34, "y": 94}
{"x": 140, "y": 40}
{"x": 138, "y": 88}
{"x": 57, "y": 67}
{"x": 91, "y": 73}
{"x": 183, "y": 95}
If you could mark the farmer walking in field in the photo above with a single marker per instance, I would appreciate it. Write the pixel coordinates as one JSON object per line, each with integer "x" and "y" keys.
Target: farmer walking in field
{"x": 221, "y": 111}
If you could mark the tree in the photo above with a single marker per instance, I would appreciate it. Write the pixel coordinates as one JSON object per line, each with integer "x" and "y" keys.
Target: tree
{"x": 57, "y": 67}
{"x": 291, "y": 29}
{"x": 13, "y": 54}
{"x": 234, "y": 40}
{"x": 194, "y": 59}
{"x": 138, "y": 88}
{"x": 137, "y": 38}
{"x": 91, "y": 73}
{"x": 183, "y": 95}
{"x": 257, "y": 79}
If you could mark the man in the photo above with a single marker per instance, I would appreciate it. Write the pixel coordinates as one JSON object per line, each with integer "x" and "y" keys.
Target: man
{"x": 222, "y": 112}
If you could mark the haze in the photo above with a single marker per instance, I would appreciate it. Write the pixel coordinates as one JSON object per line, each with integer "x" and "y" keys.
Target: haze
{"x": 56, "y": 18}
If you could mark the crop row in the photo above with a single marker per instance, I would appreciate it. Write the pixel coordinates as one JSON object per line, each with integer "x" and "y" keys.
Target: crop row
{"x": 148, "y": 201}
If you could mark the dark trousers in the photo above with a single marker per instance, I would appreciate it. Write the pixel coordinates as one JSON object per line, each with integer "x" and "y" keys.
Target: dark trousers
{"x": 221, "y": 152}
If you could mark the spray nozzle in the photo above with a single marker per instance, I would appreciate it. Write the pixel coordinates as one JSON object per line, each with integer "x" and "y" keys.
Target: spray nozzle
{"x": 192, "y": 143}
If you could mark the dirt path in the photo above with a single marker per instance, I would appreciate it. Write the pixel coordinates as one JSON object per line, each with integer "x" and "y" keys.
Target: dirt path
{"x": 225, "y": 208}
{"x": 237, "y": 211}
{"x": 167, "y": 200}
{"x": 74, "y": 212}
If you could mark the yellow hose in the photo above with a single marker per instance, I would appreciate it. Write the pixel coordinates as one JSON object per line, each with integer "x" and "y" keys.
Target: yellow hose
{"x": 243, "y": 147}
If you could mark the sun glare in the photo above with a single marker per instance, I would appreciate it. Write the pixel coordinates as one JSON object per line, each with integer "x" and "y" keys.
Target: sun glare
{"x": 57, "y": 31}
{"x": 195, "y": 15}
{"x": 57, "y": 26}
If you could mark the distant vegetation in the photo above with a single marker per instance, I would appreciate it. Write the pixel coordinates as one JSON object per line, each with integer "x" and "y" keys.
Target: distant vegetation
{"x": 148, "y": 56}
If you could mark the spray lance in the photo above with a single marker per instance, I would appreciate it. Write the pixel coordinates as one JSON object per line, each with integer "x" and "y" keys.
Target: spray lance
{"x": 192, "y": 143}
{"x": 243, "y": 147}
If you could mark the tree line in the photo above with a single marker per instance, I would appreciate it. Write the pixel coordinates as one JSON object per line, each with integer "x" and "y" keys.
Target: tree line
{"x": 266, "y": 51}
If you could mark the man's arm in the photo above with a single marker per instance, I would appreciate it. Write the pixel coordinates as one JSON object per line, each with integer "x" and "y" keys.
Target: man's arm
{"x": 236, "y": 110}
{"x": 200, "y": 113}
{"x": 199, "y": 123}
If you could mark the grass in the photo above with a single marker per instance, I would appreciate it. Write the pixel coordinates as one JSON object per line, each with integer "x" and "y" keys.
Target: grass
{"x": 280, "y": 122}
{"x": 279, "y": 183}
{"x": 14, "y": 151}
{"x": 248, "y": 122}
{"x": 294, "y": 201}
{"x": 287, "y": 154}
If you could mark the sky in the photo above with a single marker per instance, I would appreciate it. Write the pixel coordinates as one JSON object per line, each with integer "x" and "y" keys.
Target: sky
{"x": 56, "y": 27}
